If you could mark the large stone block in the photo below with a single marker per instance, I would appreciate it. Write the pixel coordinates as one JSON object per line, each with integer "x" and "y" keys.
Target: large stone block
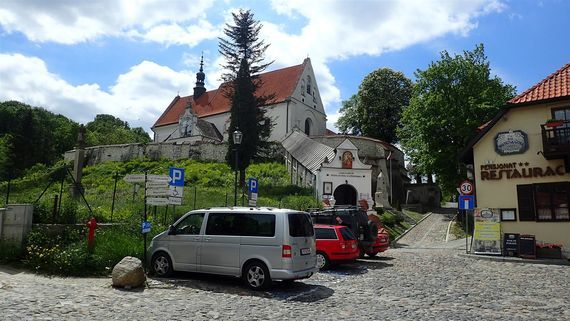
{"x": 128, "y": 273}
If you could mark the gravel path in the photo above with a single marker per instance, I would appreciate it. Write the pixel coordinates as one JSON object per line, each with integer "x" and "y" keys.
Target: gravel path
{"x": 426, "y": 280}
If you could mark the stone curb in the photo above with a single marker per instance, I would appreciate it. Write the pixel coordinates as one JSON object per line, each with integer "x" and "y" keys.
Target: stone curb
{"x": 516, "y": 259}
{"x": 411, "y": 228}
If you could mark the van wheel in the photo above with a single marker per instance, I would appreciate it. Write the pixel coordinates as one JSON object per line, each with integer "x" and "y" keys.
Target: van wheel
{"x": 161, "y": 264}
{"x": 257, "y": 276}
{"x": 323, "y": 261}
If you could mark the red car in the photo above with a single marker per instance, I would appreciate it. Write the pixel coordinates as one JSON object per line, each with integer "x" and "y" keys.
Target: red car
{"x": 335, "y": 243}
{"x": 381, "y": 244}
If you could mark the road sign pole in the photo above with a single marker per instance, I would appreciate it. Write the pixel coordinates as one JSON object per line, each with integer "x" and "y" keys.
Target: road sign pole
{"x": 144, "y": 220}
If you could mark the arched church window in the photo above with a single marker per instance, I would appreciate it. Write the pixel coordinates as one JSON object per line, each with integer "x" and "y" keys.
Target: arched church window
{"x": 308, "y": 125}
{"x": 309, "y": 85}
{"x": 303, "y": 87}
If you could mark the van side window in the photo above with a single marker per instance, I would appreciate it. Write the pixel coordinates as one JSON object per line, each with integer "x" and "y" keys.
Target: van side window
{"x": 257, "y": 225}
{"x": 222, "y": 224}
{"x": 300, "y": 225}
{"x": 190, "y": 225}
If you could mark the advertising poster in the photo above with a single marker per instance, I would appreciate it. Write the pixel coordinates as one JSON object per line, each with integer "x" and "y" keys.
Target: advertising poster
{"x": 487, "y": 235}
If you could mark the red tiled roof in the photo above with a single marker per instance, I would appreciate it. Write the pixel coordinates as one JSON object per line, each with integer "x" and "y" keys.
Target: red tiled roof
{"x": 556, "y": 85}
{"x": 279, "y": 82}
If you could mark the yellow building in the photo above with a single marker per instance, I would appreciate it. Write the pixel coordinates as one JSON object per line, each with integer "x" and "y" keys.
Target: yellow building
{"x": 521, "y": 162}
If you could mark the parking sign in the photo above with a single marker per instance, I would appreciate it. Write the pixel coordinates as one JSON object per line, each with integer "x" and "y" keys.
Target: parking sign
{"x": 253, "y": 185}
{"x": 176, "y": 176}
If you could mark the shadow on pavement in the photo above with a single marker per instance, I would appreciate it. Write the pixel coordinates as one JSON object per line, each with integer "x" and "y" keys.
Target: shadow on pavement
{"x": 10, "y": 270}
{"x": 285, "y": 291}
{"x": 361, "y": 266}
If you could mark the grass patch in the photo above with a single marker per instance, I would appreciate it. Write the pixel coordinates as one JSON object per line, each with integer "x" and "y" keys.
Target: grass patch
{"x": 414, "y": 215}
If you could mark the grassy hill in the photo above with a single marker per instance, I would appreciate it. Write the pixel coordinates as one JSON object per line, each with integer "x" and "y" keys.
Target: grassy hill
{"x": 62, "y": 249}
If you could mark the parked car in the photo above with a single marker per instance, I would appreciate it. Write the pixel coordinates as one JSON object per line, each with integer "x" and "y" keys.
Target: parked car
{"x": 257, "y": 244}
{"x": 382, "y": 242}
{"x": 335, "y": 244}
{"x": 367, "y": 231}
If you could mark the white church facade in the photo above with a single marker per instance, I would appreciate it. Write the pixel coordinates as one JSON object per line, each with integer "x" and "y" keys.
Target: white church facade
{"x": 205, "y": 115}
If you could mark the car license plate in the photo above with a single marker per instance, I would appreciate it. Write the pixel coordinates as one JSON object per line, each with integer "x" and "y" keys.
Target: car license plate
{"x": 306, "y": 251}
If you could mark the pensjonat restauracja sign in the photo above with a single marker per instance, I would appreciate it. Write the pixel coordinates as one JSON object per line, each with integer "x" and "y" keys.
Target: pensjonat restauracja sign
{"x": 518, "y": 170}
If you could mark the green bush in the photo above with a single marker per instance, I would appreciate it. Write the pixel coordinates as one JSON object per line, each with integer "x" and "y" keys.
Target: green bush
{"x": 63, "y": 251}
{"x": 10, "y": 253}
{"x": 301, "y": 203}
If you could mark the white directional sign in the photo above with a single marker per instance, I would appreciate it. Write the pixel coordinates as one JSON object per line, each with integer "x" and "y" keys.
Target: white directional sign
{"x": 153, "y": 177}
{"x": 157, "y": 201}
{"x": 134, "y": 178}
{"x": 154, "y": 184}
{"x": 158, "y": 192}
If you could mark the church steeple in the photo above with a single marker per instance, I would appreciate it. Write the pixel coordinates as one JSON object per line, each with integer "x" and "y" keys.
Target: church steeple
{"x": 200, "y": 76}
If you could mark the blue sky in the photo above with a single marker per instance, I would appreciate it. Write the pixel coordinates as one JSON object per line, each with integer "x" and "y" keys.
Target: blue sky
{"x": 130, "y": 58}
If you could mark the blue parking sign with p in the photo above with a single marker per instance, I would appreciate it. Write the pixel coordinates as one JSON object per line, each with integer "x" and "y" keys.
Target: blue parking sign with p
{"x": 176, "y": 176}
{"x": 253, "y": 185}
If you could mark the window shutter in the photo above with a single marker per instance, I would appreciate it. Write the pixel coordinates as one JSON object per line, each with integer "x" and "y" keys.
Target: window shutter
{"x": 526, "y": 202}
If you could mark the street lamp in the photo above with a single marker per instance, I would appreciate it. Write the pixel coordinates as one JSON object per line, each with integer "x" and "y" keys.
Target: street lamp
{"x": 237, "y": 135}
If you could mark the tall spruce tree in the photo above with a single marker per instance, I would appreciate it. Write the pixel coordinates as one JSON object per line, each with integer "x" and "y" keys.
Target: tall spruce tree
{"x": 244, "y": 53}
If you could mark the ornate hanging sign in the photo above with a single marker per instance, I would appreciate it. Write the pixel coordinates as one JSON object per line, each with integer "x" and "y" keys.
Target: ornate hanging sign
{"x": 511, "y": 142}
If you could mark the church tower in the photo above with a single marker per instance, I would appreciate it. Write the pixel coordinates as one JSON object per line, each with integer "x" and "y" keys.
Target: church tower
{"x": 200, "y": 76}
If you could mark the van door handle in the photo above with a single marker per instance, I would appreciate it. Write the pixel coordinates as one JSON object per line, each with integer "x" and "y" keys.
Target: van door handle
{"x": 197, "y": 238}
{"x": 208, "y": 238}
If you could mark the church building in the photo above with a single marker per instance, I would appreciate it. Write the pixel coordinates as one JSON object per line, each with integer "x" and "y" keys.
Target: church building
{"x": 205, "y": 115}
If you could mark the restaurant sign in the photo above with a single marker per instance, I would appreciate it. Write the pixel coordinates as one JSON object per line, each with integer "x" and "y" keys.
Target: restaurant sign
{"x": 518, "y": 170}
{"x": 511, "y": 142}
{"x": 487, "y": 234}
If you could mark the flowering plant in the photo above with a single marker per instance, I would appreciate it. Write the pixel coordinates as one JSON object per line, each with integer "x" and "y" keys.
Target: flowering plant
{"x": 548, "y": 246}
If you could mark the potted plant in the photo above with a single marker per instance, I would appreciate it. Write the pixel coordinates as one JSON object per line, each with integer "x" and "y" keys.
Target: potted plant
{"x": 549, "y": 250}
{"x": 554, "y": 123}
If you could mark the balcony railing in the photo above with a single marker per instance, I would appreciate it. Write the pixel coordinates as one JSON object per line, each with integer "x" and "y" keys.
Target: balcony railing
{"x": 556, "y": 141}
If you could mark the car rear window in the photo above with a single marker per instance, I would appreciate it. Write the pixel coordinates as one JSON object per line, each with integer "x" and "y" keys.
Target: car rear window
{"x": 300, "y": 225}
{"x": 325, "y": 233}
{"x": 347, "y": 234}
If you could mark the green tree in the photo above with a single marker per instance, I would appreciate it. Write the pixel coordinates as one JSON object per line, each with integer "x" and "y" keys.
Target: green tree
{"x": 109, "y": 130}
{"x": 375, "y": 111}
{"x": 244, "y": 54}
{"x": 450, "y": 99}
{"x": 32, "y": 135}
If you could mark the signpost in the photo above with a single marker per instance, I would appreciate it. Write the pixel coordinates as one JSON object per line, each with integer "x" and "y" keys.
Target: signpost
{"x": 466, "y": 202}
{"x": 253, "y": 188}
{"x": 176, "y": 186}
{"x": 466, "y": 187}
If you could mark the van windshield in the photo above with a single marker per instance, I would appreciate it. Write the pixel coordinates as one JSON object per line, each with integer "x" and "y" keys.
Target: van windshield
{"x": 300, "y": 225}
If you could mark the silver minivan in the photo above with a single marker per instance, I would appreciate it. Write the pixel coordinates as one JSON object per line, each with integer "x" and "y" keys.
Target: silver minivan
{"x": 257, "y": 244}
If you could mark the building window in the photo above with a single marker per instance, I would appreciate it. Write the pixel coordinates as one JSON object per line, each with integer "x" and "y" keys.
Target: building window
{"x": 308, "y": 125}
{"x": 302, "y": 87}
{"x": 309, "y": 85}
{"x": 544, "y": 202}
{"x": 562, "y": 114}
{"x": 508, "y": 214}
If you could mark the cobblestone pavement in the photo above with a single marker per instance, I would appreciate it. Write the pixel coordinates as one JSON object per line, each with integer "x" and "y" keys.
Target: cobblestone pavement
{"x": 410, "y": 283}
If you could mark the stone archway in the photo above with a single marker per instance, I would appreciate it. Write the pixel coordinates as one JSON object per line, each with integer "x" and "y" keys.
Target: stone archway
{"x": 345, "y": 194}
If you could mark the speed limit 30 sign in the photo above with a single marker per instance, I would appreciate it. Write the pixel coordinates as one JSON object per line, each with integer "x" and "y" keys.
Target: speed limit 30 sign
{"x": 466, "y": 187}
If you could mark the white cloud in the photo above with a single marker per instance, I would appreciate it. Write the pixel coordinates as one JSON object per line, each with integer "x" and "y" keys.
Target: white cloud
{"x": 70, "y": 21}
{"x": 139, "y": 96}
{"x": 327, "y": 31}
{"x": 337, "y": 30}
